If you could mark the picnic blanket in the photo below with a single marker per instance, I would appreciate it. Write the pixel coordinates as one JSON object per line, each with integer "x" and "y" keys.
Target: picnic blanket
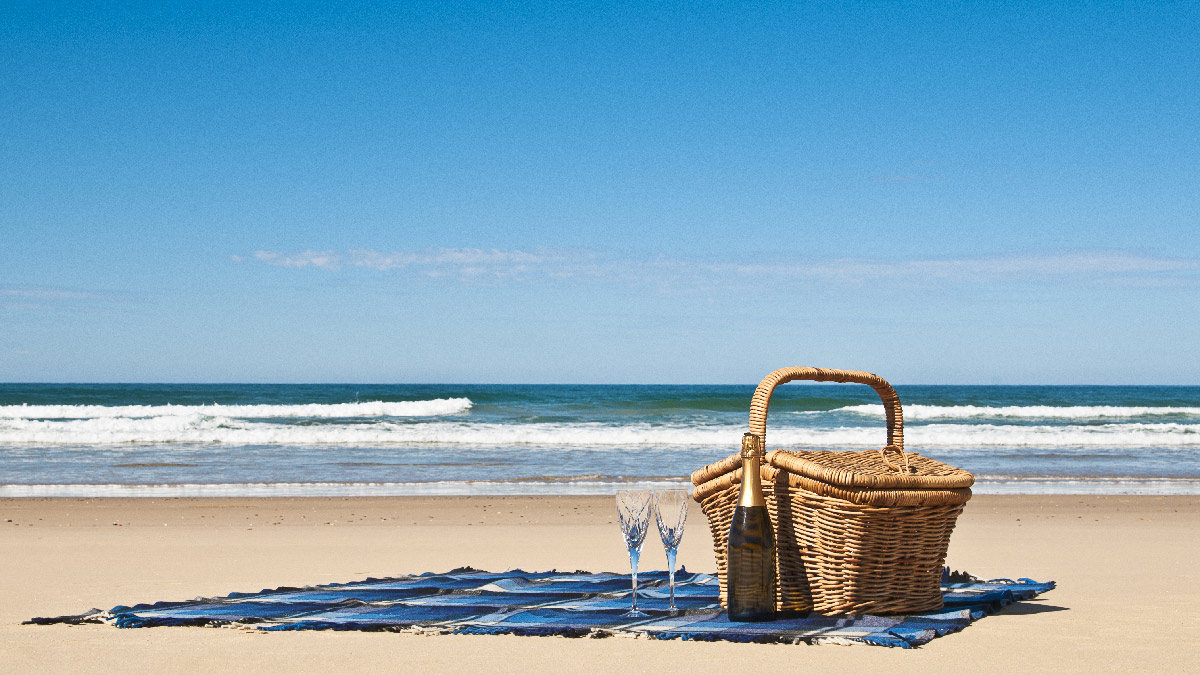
{"x": 574, "y": 604}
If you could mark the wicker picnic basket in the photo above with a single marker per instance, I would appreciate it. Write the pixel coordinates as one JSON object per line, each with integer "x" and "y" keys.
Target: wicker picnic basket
{"x": 855, "y": 532}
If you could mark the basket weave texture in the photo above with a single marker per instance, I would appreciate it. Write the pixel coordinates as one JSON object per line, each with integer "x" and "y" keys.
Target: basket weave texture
{"x": 855, "y": 532}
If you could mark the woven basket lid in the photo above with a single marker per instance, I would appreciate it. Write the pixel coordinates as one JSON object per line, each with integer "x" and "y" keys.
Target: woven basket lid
{"x": 872, "y": 469}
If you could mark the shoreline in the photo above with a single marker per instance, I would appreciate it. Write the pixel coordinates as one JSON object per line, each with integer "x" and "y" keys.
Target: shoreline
{"x": 1125, "y": 568}
{"x": 562, "y": 486}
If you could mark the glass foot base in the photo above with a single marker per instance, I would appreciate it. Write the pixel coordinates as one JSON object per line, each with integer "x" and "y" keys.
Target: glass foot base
{"x": 634, "y": 613}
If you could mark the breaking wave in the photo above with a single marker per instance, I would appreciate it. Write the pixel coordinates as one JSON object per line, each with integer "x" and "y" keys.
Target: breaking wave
{"x": 440, "y": 406}
{"x": 929, "y": 412}
{"x": 209, "y": 429}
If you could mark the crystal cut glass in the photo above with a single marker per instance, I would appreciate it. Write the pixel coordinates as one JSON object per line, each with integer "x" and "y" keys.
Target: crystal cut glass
{"x": 633, "y": 512}
{"x": 670, "y": 513}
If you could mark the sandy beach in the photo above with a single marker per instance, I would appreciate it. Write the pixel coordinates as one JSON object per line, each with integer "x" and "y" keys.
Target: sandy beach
{"x": 1126, "y": 568}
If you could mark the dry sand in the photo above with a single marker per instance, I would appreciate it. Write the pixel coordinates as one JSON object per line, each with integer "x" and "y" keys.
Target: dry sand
{"x": 1128, "y": 570}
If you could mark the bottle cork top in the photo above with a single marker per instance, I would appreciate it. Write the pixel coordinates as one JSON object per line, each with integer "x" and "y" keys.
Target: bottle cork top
{"x": 751, "y": 445}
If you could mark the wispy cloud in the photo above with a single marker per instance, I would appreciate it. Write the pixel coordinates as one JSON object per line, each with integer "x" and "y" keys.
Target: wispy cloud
{"x": 465, "y": 263}
{"x": 1080, "y": 265}
{"x": 495, "y": 264}
{"x": 319, "y": 259}
{"x": 46, "y": 293}
{"x": 34, "y": 298}
{"x": 470, "y": 262}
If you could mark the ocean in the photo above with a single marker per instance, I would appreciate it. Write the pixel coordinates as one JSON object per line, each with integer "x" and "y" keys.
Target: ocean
{"x": 357, "y": 439}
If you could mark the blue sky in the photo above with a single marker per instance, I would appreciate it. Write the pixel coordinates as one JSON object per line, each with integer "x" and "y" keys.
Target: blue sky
{"x": 936, "y": 192}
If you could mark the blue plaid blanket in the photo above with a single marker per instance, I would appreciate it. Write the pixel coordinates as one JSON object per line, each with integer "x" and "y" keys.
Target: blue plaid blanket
{"x": 555, "y": 603}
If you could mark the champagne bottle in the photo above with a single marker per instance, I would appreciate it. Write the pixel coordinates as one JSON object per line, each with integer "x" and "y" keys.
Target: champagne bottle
{"x": 750, "y": 559}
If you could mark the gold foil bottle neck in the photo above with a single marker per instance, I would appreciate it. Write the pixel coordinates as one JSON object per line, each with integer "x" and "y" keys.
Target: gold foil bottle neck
{"x": 752, "y": 454}
{"x": 751, "y": 445}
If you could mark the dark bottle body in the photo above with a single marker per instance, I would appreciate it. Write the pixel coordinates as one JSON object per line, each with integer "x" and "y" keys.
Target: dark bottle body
{"x": 751, "y": 565}
{"x": 750, "y": 556}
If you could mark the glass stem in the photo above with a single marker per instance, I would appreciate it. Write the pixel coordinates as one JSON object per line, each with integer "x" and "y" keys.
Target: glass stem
{"x": 633, "y": 563}
{"x": 671, "y": 571}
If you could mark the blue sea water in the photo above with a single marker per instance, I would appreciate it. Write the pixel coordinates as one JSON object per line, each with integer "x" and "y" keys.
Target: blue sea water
{"x": 332, "y": 439}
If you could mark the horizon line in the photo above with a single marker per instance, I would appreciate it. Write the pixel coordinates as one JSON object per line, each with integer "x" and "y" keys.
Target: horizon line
{"x": 558, "y": 384}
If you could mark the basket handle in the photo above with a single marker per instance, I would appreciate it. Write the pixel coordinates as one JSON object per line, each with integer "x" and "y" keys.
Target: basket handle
{"x": 891, "y": 402}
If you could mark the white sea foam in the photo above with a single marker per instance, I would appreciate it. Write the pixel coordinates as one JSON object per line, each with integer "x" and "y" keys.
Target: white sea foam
{"x": 600, "y": 486}
{"x": 928, "y": 412}
{"x": 992, "y": 435}
{"x": 197, "y": 428}
{"x": 434, "y": 407}
{"x": 604, "y": 486}
{"x": 1083, "y": 485}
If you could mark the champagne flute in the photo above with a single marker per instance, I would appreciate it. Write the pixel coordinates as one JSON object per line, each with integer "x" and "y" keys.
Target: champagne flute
{"x": 633, "y": 511}
{"x": 670, "y": 512}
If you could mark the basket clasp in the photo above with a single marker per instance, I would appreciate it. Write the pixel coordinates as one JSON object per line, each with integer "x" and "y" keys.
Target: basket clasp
{"x": 898, "y": 468}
